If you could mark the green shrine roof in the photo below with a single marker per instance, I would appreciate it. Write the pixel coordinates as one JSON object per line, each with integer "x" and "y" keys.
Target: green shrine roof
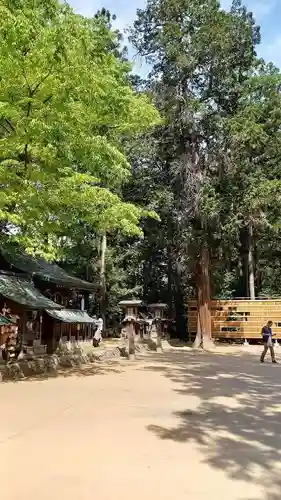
{"x": 23, "y": 292}
{"x": 43, "y": 269}
{"x": 71, "y": 316}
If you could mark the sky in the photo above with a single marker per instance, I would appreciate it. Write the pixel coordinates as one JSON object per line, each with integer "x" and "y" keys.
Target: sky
{"x": 266, "y": 12}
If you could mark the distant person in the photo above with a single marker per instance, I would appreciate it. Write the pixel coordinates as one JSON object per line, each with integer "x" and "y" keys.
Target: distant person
{"x": 267, "y": 341}
{"x": 98, "y": 333}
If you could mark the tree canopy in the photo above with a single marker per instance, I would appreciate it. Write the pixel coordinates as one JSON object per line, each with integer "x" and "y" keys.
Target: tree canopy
{"x": 218, "y": 150}
{"x": 180, "y": 172}
{"x": 65, "y": 106}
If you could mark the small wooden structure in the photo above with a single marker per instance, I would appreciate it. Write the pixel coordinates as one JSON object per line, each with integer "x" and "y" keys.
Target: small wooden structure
{"x": 19, "y": 300}
{"x": 238, "y": 319}
{"x": 36, "y": 291}
{"x": 69, "y": 292}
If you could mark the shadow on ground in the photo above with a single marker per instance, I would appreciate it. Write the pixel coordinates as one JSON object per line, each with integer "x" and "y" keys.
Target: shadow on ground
{"x": 76, "y": 371}
{"x": 237, "y": 422}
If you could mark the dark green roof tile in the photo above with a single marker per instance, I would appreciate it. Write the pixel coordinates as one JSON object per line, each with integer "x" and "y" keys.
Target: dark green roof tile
{"x": 43, "y": 269}
{"x": 71, "y": 316}
{"x": 23, "y": 292}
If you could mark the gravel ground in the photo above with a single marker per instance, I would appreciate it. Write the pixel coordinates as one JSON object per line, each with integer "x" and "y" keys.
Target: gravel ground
{"x": 182, "y": 425}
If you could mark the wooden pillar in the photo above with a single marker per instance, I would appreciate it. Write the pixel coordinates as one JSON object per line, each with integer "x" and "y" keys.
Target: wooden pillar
{"x": 204, "y": 322}
{"x": 40, "y": 327}
{"x": 48, "y": 332}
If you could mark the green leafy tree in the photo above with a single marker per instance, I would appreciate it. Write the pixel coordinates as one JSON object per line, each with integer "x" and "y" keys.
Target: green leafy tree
{"x": 254, "y": 177}
{"x": 65, "y": 104}
{"x": 201, "y": 55}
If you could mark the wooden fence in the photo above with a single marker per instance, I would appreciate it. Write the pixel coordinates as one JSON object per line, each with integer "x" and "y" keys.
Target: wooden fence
{"x": 238, "y": 319}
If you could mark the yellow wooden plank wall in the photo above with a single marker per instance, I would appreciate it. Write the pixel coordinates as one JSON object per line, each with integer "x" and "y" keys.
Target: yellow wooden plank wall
{"x": 239, "y": 318}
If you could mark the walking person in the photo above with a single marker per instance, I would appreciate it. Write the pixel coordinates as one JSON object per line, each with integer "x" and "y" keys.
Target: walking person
{"x": 267, "y": 341}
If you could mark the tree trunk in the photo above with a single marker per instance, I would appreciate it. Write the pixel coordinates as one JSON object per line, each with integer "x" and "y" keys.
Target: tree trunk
{"x": 103, "y": 280}
{"x": 251, "y": 270}
{"x": 170, "y": 282}
{"x": 179, "y": 299}
{"x": 204, "y": 322}
{"x": 244, "y": 243}
{"x": 258, "y": 276}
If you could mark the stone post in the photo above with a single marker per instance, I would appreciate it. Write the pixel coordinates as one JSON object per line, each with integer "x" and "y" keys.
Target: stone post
{"x": 131, "y": 314}
{"x": 158, "y": 318}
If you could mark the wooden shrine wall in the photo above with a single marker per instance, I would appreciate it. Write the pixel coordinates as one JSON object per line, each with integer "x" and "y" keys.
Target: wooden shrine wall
{"x": 235, "y": 319}
{"x": 17, "y": 312}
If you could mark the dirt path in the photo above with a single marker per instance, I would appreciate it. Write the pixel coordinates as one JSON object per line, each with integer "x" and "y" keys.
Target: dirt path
{"x": 179, "y": 426}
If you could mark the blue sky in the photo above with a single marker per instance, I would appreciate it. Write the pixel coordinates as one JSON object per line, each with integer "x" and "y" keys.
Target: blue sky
{"x": 266, "y": 12}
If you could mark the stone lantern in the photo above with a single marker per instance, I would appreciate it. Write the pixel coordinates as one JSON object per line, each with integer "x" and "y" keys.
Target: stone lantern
{"x": 157, "y": 311}
{"x": 131, "y": 313}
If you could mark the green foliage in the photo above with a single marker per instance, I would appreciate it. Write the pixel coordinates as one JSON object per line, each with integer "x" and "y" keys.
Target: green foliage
{"x": 65, "y": 105}
{"x": 225, "y": 282}
{"x": 74, "y": 120}
{"x": 201, "y": 58}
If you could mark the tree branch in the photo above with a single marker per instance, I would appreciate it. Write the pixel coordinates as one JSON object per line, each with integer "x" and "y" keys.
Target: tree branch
{"x": 33, "y": 91}
{"x": 10, "y": 125}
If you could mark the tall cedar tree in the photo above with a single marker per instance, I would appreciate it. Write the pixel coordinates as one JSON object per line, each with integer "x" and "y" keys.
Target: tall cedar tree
{"x": 200, "y": 57}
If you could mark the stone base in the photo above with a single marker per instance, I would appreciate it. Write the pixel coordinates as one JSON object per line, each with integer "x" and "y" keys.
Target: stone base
{"x": 47, "y": 364}
{"x": 65, "y": 358}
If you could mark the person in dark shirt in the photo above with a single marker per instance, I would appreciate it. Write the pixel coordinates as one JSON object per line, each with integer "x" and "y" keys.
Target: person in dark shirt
{"x": 267, "y": 341}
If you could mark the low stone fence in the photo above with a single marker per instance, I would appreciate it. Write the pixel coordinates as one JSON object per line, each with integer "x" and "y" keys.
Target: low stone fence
{"x": 65, "y": 358}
